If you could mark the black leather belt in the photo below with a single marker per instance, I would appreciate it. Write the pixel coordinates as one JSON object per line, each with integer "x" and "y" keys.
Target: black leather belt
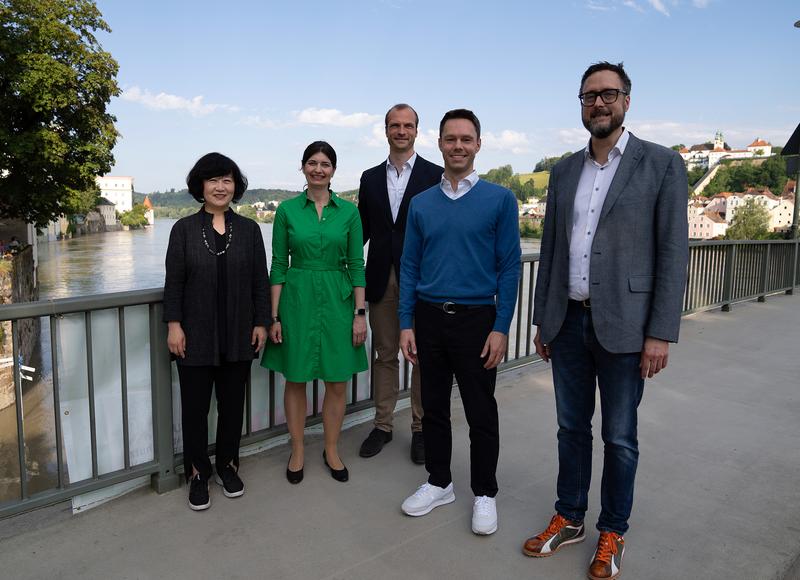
{"x": 582, "y": 303}
{"x": 452, "y": 307}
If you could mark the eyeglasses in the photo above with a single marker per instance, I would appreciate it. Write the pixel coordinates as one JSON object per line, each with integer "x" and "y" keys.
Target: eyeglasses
{"x": 608, "y": 95}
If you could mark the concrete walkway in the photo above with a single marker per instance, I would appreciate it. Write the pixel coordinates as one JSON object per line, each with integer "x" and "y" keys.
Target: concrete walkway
{"x": 718, "y": 492}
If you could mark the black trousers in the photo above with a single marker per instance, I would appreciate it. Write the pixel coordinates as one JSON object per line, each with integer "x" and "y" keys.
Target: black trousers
{"x": 229, "y": 379}
{"x": 447, "y": 345}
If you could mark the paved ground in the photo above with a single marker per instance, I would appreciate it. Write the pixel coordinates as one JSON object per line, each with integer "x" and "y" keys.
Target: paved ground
{"x": 718, "y": 492}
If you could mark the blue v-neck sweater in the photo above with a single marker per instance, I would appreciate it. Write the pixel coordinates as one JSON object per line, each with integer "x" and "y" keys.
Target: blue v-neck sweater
{"x": 464, "y": 251}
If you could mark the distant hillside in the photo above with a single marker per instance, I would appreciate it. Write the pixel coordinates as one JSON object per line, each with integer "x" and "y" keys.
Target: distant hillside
{"x": 182, "y": 199}
{"x": 540, "y": 178}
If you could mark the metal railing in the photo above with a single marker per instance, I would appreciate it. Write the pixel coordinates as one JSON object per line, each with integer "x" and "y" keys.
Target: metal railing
{"x": 105, "y": 365}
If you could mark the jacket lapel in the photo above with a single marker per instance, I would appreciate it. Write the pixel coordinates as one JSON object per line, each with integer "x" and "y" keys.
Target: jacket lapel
{"x": 573, "y": 176}
{"x": 627, "y": 165}
{"x": 383, "y": 192}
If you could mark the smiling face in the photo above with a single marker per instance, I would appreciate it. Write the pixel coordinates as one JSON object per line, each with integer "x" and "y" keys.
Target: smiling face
{"x": 318, "y": 170}
{"x": 218, "y": 192}
{"x": 459, "y": 144}
{"x": 601, "y": 119}
{"x": 401, "y": 130}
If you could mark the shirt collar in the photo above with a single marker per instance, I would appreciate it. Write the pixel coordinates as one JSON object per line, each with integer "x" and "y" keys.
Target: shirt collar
{"x": 472, "y": 178}
{"x": 617, "y": 149}
{"x": 410, "y": 162}
{"x": 334, "y": 201}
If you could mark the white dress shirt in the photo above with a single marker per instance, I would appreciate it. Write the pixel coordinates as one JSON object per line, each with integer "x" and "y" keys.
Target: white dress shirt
{"x": 396, "y": 183}
{"x": 589, "y": 198}
{"x": 464, "y": 185}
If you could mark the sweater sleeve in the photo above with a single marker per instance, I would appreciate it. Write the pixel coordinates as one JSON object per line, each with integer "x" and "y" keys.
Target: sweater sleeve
{"x": 409, "y": 269}
{"x": 175, "y": 278}
{"x": 507, "y": 253}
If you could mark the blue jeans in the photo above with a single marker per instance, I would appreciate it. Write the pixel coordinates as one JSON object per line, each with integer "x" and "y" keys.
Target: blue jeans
{"x": 579, "y": 362}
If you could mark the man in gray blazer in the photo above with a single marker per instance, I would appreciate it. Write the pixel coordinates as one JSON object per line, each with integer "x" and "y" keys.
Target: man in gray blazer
{"x": 608, "y": 300}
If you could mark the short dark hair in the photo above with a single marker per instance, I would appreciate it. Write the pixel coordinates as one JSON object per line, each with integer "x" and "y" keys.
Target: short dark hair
{"x": 605, "y": 65}
{"x": 215, "y": 165}
{"x": 319, "y": 147}
{"x": 400, "y": 107}
{"x": 461, "y": 114}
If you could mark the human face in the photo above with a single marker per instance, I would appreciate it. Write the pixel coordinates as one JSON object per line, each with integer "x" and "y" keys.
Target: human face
{"x": 218, "y": 192}
{"x": 601, "y": 119}
{"x": 459, "y": 143}
{"x": 318, "y": 170}
{"x": 401, "y": 131}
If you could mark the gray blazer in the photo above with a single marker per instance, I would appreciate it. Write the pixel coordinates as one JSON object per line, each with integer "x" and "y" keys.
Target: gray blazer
{"x": 639, "y": 254}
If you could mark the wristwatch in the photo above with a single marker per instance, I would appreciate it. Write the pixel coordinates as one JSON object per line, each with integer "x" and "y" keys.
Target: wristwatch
{"x": 276, "y": 319}
{"x": 360, "y": 312}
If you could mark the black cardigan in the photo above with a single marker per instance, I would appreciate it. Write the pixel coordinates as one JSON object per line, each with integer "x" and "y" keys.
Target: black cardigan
{"x": 190, "y": 289}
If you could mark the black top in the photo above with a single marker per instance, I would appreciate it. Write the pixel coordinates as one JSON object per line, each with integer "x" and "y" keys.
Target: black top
{"x": 191, "y": 285}
{"x": 384, "y": 235}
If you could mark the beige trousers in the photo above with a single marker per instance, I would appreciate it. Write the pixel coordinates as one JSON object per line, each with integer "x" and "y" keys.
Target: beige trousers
{"x": 385, "y": 325}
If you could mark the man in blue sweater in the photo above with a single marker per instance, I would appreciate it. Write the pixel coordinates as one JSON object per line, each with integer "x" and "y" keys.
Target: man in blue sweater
{"x": 458, "y": 282}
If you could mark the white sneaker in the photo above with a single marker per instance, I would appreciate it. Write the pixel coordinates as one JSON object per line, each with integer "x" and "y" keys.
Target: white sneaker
{"x": 426, "y": 498}
{"x": 484, "y": 515}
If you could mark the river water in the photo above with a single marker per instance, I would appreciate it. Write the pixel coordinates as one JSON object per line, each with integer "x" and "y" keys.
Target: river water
{"x": 86, "y": 266}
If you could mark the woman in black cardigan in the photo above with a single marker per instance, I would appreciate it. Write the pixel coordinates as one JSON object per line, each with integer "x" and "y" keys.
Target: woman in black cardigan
{"x": 216, "y": 303}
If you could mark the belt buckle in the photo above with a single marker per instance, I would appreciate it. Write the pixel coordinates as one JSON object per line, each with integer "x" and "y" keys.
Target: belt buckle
{"x": 586, "y": 303}
{"x": 449, "y": 307}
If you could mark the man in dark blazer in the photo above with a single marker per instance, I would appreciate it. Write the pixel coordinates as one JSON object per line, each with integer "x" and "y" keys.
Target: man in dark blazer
{"x": 383, "y": 197}
{"x": 608, "y": 301}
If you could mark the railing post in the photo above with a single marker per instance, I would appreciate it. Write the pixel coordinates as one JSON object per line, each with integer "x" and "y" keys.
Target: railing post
{"x": 795, "y": 265}
{"x": 764, "y": 274}
{"x": 161, "y": 380}
{"x": 727, "y": 277}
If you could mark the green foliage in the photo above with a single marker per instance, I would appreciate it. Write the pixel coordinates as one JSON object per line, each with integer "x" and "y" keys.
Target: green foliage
{"x": 695, "y": 174}
{"x": 247, "y": 211}
{"x": 678, "y": 147}
{"x": 174, "y": 212}
{"x": 547, "y": 163}
{"x": 529, "y": 229}
{"x": 55, "y": 84}
{"x": 738, "y": 176}
{"x": 505, "y": 176}
{"x": 750, "y": 222}
{"x": 134, "y": 218}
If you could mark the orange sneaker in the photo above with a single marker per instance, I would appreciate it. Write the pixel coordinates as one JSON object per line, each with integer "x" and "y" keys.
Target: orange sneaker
{"x": 607, "y": 560}
{"x": 560, "y": 532}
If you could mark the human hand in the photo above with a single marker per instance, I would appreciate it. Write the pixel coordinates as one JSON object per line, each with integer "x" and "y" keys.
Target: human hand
{"x": 275, "y": 332}
{"x": 494, "y": 349}
{"x": 408, "y": 345}
{"x": 542, "y": 349}
{"x": 359, "y": 330}
{"x": 176, "y": 340}
{"x": 655, "y": 354}
{"x": 259, "y": 338}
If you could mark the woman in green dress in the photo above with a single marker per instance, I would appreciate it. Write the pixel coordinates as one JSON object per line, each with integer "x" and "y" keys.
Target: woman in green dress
{"x": 318, "y": 318}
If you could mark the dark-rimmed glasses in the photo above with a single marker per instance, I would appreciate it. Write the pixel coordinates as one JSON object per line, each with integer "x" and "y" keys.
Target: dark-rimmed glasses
{"x": 608, "y": 95}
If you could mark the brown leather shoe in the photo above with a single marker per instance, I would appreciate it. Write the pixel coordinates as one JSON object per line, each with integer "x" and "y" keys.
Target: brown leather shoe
{"x": 607, "y": 560}
{"x": 560, "y": 532}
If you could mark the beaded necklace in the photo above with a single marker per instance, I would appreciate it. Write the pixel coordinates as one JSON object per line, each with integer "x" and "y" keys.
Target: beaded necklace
{"x": 229, "y": 227}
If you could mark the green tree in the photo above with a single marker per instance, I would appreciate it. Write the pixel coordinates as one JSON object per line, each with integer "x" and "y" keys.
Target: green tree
{"x": 247, "y": 211}
{"x": 55, "y": 84}
{"x": 134, "y": 218}
{"x": 750, "y": 222}
{"x": 499, "y": 175}
{"x": 678, "y": 147}
{"x": 547, "y": 163}
{"x": 695, "y": 174}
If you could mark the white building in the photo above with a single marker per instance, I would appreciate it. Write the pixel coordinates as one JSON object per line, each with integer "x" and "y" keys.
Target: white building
{"x": 118, "y": 190}
{"x": 106, "y": 209}
{"x": 707, "y": 155}
{"x": 780, "y": 217}
{"x": 706, "y": 226}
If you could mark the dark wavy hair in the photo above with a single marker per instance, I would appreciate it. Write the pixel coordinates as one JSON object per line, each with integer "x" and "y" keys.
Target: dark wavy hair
{"x": 615, "y": 68}
{"x": 215, "y": 165}
{"x": 319, "y": 147}
{"x": 461, "y": 114}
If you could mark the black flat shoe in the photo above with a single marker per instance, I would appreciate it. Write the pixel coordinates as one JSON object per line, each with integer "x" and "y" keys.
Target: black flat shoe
{"x": 337, "y": 474}
{"x": 293, "y": 476}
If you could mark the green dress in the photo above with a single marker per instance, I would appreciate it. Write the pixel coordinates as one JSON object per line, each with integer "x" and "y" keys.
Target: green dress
{"x": 318, "y": 261}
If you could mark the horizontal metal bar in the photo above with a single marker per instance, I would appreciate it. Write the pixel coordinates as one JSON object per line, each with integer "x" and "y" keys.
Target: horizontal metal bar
{"x": 80, "y": 304}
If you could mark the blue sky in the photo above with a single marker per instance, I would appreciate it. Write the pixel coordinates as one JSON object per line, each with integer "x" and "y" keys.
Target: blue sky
{"x": 258, "y": 81}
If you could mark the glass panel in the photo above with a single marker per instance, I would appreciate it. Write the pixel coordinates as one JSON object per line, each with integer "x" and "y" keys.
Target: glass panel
{"x": 259, "y": 396}
{"x": 37, "y": 394}
{"x": 140, "y": 405}
{"x": 9, "y": 451}
{"x": 280, "y": 386}
{"x": 177, "y": 433}
{"x": 74, "y": 397}
{"x": 107, "y": 375}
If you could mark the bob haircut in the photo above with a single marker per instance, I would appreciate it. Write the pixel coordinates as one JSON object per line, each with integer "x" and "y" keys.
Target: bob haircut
{"x": 215, "y": 165}
{"x": 461, "y": 114}
{"x": 319, "y": 147}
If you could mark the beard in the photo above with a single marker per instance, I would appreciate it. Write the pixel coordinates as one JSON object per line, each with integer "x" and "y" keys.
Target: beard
{"x": 601, "y": 125}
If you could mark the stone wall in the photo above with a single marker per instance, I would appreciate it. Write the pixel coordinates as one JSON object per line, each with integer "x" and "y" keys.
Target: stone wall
{"x": 17, "y": 285}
